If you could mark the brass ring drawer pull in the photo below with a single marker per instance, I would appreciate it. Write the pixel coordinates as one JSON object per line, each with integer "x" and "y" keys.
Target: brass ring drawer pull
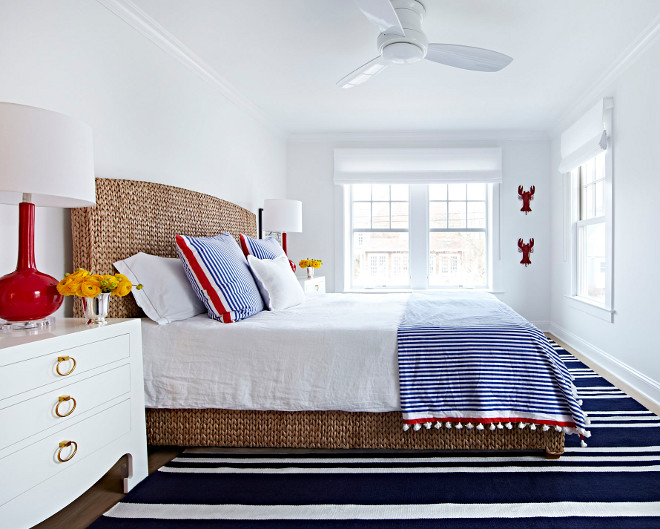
{"x": 62, "y": 399}
{"x": 61, "y": 359}
{"x": 65, "y": 444}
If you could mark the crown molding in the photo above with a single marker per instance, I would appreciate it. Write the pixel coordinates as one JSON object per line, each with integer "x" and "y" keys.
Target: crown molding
{"x": 419, "y": 136}
{"x": 630, "y": 54}
{"x": 152, "y": 30}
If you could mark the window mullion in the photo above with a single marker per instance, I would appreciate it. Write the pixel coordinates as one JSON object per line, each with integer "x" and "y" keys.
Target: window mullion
{"x": 418, "y": 263}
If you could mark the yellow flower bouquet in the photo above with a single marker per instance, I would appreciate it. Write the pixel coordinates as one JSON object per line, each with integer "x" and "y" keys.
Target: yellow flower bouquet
{"x": 310, "y": 263}
{"x": 87, "y": 285}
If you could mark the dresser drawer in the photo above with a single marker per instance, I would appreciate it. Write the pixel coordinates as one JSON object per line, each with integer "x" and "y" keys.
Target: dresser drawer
{"x": 19, "y": 377}
{"x": 35, "y": 463}
{"x": 40, "y": 413}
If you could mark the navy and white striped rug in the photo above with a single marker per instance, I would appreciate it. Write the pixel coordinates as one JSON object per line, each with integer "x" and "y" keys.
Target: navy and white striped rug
{"x": 614, "y": 482}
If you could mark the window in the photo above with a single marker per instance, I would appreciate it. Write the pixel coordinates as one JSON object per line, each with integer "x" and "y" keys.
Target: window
{"x": 392, "y": 227}
{"x": 379, "y": 225}
{"x": 457, "y": 235}
{"x": 587, "y": 171}
{"x": 590, "y": 230}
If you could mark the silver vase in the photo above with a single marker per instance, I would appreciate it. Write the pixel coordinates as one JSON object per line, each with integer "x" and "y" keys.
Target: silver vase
{"x": 96, "y": 309}
{"x": 310, "y": 272}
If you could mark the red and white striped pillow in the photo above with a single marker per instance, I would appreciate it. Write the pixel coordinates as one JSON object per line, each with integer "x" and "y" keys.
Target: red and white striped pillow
{"x": 220, "y": 276}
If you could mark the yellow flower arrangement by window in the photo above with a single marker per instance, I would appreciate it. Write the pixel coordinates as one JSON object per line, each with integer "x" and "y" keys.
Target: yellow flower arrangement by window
{"x": 310, "y": 263}
{"x": 87, "y": 285}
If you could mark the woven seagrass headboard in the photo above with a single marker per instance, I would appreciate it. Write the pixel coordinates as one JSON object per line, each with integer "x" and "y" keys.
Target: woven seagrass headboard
{"x": 132, "y": 216}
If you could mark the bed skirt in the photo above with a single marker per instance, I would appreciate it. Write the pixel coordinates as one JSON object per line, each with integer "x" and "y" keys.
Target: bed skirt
{"x": 331, "y": 429}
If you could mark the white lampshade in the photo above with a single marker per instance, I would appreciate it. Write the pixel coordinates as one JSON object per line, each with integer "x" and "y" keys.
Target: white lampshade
{"x": 281, "y": 215}
{"x": 47, "y": 154}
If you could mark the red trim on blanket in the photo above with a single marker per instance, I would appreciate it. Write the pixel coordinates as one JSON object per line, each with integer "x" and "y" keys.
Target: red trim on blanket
{"x": 488, "y": 420}
{"x": 203, "y": 280}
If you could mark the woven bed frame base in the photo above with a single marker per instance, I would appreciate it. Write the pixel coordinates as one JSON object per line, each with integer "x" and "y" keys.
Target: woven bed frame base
{"x": 330, "y": 429}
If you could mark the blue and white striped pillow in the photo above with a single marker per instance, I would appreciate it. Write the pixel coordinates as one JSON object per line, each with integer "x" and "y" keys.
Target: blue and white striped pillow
{"x": 220, "y": 276}
{"x": 267, "y": 248}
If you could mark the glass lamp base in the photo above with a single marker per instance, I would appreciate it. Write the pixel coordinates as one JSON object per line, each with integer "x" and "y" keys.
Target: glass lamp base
{"x": 8, "y": 326}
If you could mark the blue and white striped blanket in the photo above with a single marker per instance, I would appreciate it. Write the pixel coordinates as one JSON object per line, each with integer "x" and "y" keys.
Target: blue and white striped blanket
{"x": 468, "y": 360}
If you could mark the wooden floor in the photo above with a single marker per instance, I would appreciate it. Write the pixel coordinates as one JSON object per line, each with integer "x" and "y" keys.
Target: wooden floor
{"x": 104, "y": 494}
{"x": 642, "y": 399}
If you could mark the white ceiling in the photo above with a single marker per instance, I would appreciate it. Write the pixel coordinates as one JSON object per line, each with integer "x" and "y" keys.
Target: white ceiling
{"x": 285, "y": 56}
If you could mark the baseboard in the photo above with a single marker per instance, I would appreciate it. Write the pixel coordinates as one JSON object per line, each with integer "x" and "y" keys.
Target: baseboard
{"x": 646, "y": 387}
{"x": 544, "y": 326}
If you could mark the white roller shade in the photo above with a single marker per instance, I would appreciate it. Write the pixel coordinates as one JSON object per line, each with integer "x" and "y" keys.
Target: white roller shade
{"x": 587, "y": 137}
{"x": 418, "y": 166}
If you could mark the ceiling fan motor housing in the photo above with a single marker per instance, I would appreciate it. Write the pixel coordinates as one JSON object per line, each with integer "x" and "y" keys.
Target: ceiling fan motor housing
{"x": 397, "y": 49}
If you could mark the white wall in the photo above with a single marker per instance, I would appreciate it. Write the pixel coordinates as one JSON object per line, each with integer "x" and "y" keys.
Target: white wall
{"x": 526, "y": 162}
{"x": 153, "y": 119}
{"x": 631, "y": 339}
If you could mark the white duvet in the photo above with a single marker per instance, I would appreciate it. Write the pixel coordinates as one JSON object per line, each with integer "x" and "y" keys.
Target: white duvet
{"x": 333, "y": 352}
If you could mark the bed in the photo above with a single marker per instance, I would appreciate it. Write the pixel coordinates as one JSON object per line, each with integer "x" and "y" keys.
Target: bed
{"x": 133, "y": 216}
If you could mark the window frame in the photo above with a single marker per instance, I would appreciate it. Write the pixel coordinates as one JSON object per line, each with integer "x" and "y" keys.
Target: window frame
{"x": 352, "y": 231}
{"x": 578, "y": 224}
{"x": 485, "y": 230}
{"x": 418, "y": 240}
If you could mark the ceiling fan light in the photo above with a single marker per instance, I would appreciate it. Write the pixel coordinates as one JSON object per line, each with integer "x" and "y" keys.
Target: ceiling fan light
{"x": 402, "y": 53}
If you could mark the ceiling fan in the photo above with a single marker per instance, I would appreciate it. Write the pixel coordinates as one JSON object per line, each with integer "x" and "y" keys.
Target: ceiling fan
{"x": 402, "y": 41}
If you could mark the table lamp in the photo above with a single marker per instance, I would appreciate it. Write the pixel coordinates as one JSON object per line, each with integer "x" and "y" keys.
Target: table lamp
{"x": 46, "y": 159}
{"x": 282, "y": 216}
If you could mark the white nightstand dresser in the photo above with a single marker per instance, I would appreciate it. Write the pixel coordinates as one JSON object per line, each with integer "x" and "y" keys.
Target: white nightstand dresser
{"x": 71, "y": 404}
{"x": 315, "y": 285}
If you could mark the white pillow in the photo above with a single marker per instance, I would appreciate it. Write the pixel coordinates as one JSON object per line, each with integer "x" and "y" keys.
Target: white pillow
{"x": 277, "y": 283}
{"x": 166, "y": 294}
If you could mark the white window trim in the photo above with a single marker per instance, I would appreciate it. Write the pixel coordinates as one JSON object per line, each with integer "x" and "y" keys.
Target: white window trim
{"x": 603, "y": 311}
{"x": 418, "y": 265}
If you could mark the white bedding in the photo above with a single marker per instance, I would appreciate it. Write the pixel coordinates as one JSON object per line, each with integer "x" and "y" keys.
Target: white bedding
{"x": 333, "y": 352}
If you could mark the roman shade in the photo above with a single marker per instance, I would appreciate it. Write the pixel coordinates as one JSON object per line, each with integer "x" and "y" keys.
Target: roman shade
{"x": 418, "y": 166}
{"x": 588, "y": 137}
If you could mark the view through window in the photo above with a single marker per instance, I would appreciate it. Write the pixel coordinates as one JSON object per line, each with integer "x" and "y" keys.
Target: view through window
{"x": 380, "y": 235}
{"x": 590, "y": 230}
{"x": 458, "y": 236}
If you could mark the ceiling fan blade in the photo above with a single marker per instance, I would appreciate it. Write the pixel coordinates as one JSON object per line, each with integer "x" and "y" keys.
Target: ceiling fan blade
{"x": 382, "y": 14}
{"x": 363, "y": 73}
{"x": 468, "y": 58}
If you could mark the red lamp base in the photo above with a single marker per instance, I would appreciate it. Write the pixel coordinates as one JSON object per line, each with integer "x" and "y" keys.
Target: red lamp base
{"x": 27, "y": 295}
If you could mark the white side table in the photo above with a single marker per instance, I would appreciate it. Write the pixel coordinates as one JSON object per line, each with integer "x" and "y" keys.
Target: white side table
{"x": 313, "y": 286}
{"x": 71, "y": 405}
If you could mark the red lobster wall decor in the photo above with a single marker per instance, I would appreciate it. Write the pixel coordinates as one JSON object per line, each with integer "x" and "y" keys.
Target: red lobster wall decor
{"x": 526, "y": 197}
{"x": 525, "y": 249}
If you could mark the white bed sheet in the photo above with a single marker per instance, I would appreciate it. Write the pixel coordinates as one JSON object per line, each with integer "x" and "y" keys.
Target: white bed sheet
{"x": 333, "y": 352}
